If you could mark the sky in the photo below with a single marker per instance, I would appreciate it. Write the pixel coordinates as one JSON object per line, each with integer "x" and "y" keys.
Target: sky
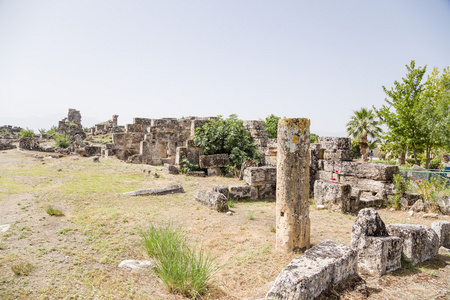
{"x": 320, "y": 60}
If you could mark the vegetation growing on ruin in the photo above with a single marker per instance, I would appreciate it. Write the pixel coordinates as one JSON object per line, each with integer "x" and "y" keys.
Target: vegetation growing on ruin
{"x": 271, "y": 126}
{"x": 26, "y": 133}
{"x": 61, "y": 140}
{"x": 187, "y": 166}
{"x": 227, "y": 136}
{"x": 183, "y": 269}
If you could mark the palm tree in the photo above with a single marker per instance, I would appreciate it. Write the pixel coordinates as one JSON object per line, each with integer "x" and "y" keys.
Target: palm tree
{"x": 363, "y": 125}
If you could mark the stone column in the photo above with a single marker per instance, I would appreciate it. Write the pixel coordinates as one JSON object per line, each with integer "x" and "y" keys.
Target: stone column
{"x": 293, "y": 224}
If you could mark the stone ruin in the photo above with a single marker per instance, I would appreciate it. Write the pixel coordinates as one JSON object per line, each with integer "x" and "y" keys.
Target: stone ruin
{"x": 109, "y": 126}
{"x": 71, "y": 125}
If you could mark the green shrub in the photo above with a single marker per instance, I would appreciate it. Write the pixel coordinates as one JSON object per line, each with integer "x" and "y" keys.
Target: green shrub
{"x": 271, "y": 126}
{"x": 313, "y": 138}
{"x": 61, "y": 140}
{"x": 26, "y": 133}
{"x": 430, "y": 189}
{"x": 184, "y": 270}
{"x": 52, "y": 130}
{"x": 401, "y": 186}
{"x": 187, "y": 166}
{"x": 435, "y": 163}
{"x": 227, "y": 136}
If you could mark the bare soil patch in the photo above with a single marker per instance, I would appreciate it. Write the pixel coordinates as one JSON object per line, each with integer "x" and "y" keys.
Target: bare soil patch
{"x": 76, "y": 255}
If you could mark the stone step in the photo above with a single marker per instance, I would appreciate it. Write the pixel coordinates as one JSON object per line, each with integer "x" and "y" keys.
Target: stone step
{"x": 370, "y": 201}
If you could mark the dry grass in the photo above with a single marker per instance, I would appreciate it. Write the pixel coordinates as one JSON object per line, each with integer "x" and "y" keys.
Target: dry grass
{"x": 76, "y": 255}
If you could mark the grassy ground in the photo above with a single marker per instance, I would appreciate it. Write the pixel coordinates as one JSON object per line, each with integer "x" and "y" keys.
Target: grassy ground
{"x": 76, "y": 255}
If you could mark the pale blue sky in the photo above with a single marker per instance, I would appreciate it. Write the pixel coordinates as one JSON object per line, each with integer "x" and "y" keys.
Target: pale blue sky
{"x": 315, "y": 59}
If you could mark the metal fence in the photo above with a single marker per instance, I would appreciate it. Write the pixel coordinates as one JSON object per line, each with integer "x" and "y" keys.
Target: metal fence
{"x": 426, "y": 175}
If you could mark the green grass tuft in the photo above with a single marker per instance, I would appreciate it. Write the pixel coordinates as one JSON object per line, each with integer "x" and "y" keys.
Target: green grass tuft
{"x": 54, "y": 212}
{"x": 22, "y": 268}
{"x": 183, "y": 269}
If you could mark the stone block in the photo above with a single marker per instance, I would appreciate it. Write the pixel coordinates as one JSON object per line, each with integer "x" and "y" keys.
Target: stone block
{"x": 6, "y": 144}
{"x": 222, "y": 189}
{"x": 171, "y": 169}
{"x": 370, "y": 201}
{"x": 196, "y": 174}
{"x": 323, "y": 175}
{"x": 420, "y": 242}
{"x": 343, "y": 155}
{"x": 28, "y": 143}
{"x": 247, "y": 164}
{"x": 213, "y": 161}
{"x": 411, "y": 198}
{"x": 378, "y": 253}
{"x": 92, "y": 150}
{"x": 240, "y": 192}
{"x": 270, "y": 160}
{"x": 373, "y": 171}
{"x": 142, "y": 121}
{"x": 445, "y": 205}
{"x": 254, "y": 124}
{"x": 214, "y": 200}
{"x": 134, "y": 128}
{"x": 260, "y": 175}
{"x": 333, "y": 195}
{"x": 335, "y": 143}
{"x": 213, "y": 172}
{"x": 319, "y": 269}
{"x": 267, "y": 191}
{"x": 381, "y": 188}
{"x": 442, "y": 229}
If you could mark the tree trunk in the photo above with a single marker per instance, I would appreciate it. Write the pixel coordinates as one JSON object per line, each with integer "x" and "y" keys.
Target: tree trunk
{"x": 415, "y": 156}
{"x": 363, "y": 145}
{"x": 401, "y": 157}
{"x": 427, "y": 161}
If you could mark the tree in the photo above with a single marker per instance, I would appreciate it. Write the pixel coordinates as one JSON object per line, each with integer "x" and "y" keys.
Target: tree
{"x": 402, "y": 114}
{"x": 435, "y": 103}
{"x": 227, "y": 136}
{"x": 271, "y": 126}
{"x": 362, "y": 125}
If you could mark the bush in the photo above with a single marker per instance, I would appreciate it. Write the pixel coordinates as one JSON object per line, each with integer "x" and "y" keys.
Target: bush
{"x": 435, "y": 163}
{"x": 52, "y": 130}
{"x": 54, "y": 212}
{"x": 401, "y": 186}
{"x": 313, "y": 138}
{"x": 187, "y": 166}
{"x": 183, "y": 269}
{"x": 26, "y": 133}
{"x": 271, "y": 126}
{"x": 61, "y": 140}
{"x": 227, "y": 136}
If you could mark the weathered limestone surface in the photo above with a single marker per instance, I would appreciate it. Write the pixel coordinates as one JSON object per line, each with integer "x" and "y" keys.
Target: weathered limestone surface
{"x": 445, "y": 206}
{"x": 247, "y": 164}
{"x": 373, "y": 171}
{"x": 28, "y": 143}
{"x": 381, "y": 188}
{"x": 341, "y": 155}
{"x": 134, "y": 128}
{"x": 222, "y": 189}
{"x": 378, "y": 253}
{"x": 214, "y": 161}
{"x": 320, "y": 268}
{"x": 292, "y": 208}
{"x": 335, "y": 143}
{"x": 240, "y": 192}
{"x": 127, "y": 144}
{"x": 260, "y": 175}
{"x": 442, "y": 229}
{"x": 177, "y": 188}
{"x": 420, "y": 242}
{"x": 333, "y": 195}
{"x": 171, "y": 169}
{"x": 6, "y": 144}
{"x": 214, "y": 200}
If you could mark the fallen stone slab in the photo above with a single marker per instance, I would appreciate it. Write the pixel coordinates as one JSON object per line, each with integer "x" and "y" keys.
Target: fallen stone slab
{"x": 177, "y": 188}
{"x": 222, "y": 189}
{"x": 136, "y": 264}
{"x": 420, "y": 242}
{"x": 171, "y": 169}
{"x": 213, "y": 161}
{"x": 214, "y": 200}
{"x": 442, "y": 229}
{"x": 320, "y": 268}
{"x": 196, "y": 174}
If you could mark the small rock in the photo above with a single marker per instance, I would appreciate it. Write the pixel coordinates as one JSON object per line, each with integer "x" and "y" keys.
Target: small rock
{"x": 229, "y": 213}
{"x": 320, "y": 206}
{"x": 96, "y": 159}
{"x": 430, "y": 216}
{"x": 411, "y": 213}
{"x": 4, "y": 228}
{"x": 59, "y": 170}
{"x": 136, "y": 264}
{"x": 392, "y": 209}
